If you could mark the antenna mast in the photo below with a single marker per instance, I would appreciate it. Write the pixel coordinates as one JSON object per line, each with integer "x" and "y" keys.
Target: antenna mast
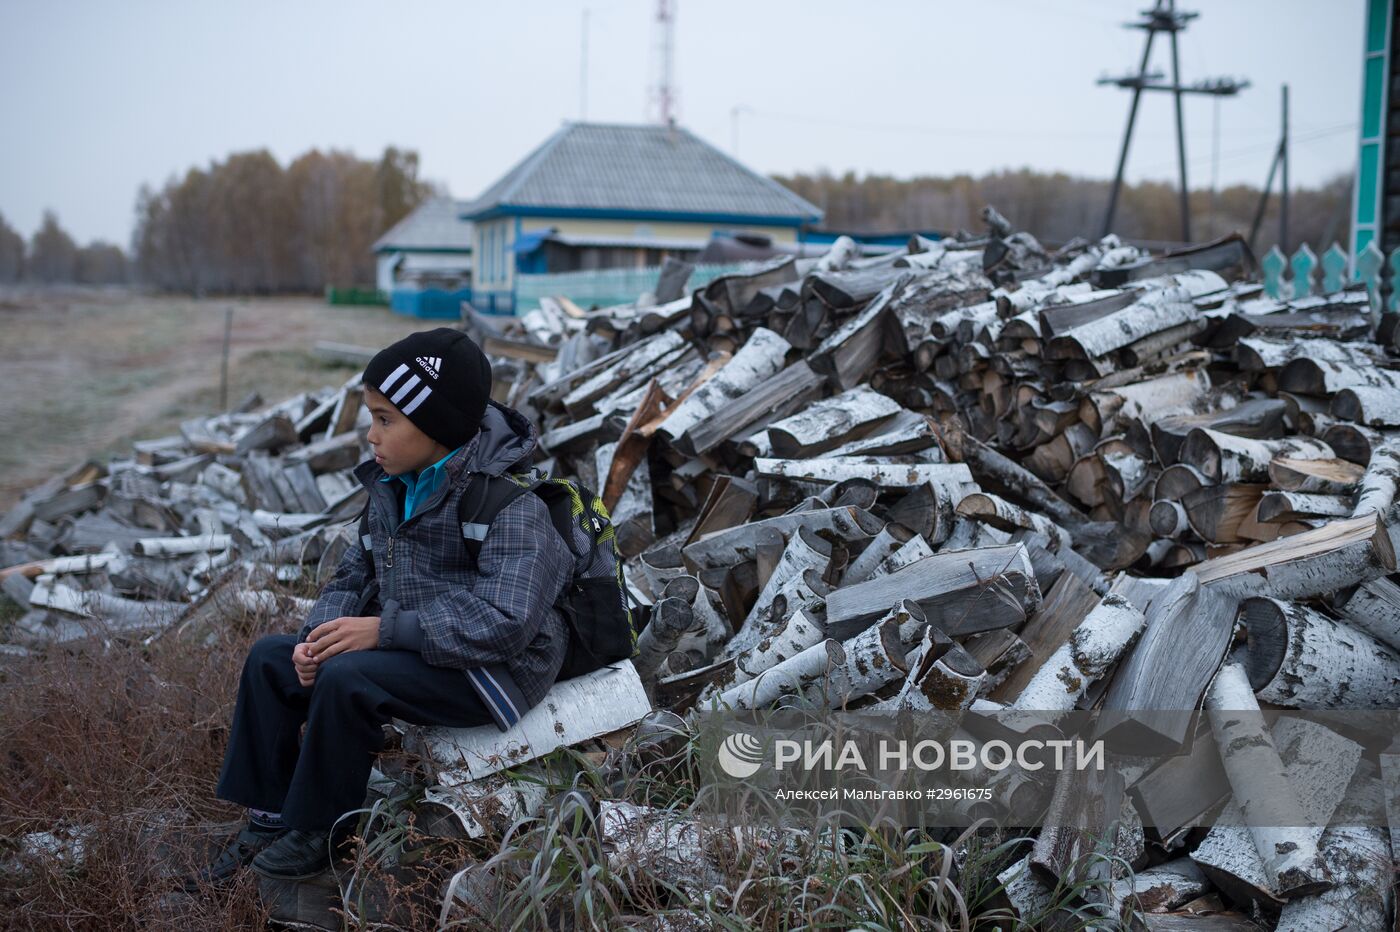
{"x": 663, "y": 92}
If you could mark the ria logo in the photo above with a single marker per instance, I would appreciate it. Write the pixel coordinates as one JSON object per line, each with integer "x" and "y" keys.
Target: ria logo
{"x": 740, "y": 755}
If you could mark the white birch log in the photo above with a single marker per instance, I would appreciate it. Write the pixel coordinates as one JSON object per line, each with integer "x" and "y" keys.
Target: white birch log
{"x": 1375, "y": 609}
{"x": 1293, "y": 506}
{"x": 1153, "y": 312}
{"x": 1377, "y": 490}
{"x": 1224, "y": 457}
{"x": 1161, "y": 888}
{"x": 708, "y": 632}
{"x": 736, "y": 544}
{"x": 804, "y": 551}
{"x": 889, "y": 540}
{"x": 949, "y": 682}
{"x": 1168, "y": 519}
{"x": 180, "y": 546}
{"x": 872, "y": 658}
{"x": 1257, "y": 353}
{"x": 1315, "y": 477}
{"x": 1091, "y": 651}
{"x": 1316, "y": 764}
{"x": 1266, "y": 798}
{"x": 1302, "y": 659}
{"x": 1357, "y": 855}
{"x": 638, "y": 358}
{"x": 949, "y": 478}
{"x": 1313, "y": 376}
{"x": 794, "y": 634}
{"x": 906, "y": 432}
{"x": 831, "y": 422}
{"x": 1340, "y": 554}
{"x": 648, "y": 844}
{"x": 1001, "y": 514}
{"x": 912, "y": 551}
{"x": 1374, "y": 407}
{"x": 573, "y": 710}
{"x": 843, "y": 250}
{"x": 1144, "y": 402}
{"x": 761, "y": 357}
{"x": 792, "y": 676}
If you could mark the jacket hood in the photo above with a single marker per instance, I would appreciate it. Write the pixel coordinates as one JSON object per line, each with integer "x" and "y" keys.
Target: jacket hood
{"x": 505, "y": 443}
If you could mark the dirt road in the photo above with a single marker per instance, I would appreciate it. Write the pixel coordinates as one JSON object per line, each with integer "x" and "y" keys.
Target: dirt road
{"x": 85, "y": 372}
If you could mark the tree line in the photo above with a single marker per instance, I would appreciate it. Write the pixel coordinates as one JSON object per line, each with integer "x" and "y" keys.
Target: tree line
{"x": 247, "y": 225}
{"x": 53, "y": 256}
{"x": 1056, "y": 207}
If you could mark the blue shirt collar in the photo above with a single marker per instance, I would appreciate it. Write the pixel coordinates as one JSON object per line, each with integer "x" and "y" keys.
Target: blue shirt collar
{"x": 430, "y": 474}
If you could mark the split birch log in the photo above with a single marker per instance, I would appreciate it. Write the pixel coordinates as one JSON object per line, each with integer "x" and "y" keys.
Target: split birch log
{"x": 778, "y": 396}
{"x": 1178, "y": 481}
{"x": 1377, "y": 490}
{"x": 873, "y": 658}
{"x": 1311, "y": 762}
{"x": 912, "y": 551}
{"x": 1301, "y": 659}
{"x": 1091, "y": 651}
{"x": 1255, "y": 354}
{"x": 1161, "y": 888}
{"x": 1375, "y": 609}
{"x": 942, "y": 676}
{"x": 1258, "y": 418}
{"x": 1312, "y": 376}
{"x": 949, "y": 478}
{"x": 889, "y": 540}
{"x": 848, "y": 355}
{"x": 1222, "y": 457}
{"x": 737, "y": 544}
{"x": 1338, "y": 555}
{"x": 793, "y": 676}
{"x": 962, "y": 592}
{"x": 797, "y": 632}
{"x": 1168, "y": 519}
{"x": 1151, "y": 313}
{"x": 1187, "y": 632}
{"x": 1266, "y": 798}
{"x": 804, "y": 551}
{"x": 1373, "y": 407}
{"x": 1357, "y": 854}
{"x": 1293, "y": 506}
{"x": 759, "y": 359}
{"x": 830, "y": 423}
{"x": 639, "y": 358}
{"x": 708, "y": 632}
{"x": 1143, "y": 402}
{"x": 1355, "y": 443}
{"x": 999, "y": 513}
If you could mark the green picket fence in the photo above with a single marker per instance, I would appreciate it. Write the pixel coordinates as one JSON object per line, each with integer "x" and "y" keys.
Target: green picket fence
{"x": 1303, "y": 274}
{"x": 606, "y": 287}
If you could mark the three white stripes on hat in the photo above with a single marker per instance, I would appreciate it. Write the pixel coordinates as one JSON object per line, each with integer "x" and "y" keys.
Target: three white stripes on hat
{"x": 404, "y": 389}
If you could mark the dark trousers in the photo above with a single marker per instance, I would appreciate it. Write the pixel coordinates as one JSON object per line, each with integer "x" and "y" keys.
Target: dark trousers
{"x": 355, "y": 693}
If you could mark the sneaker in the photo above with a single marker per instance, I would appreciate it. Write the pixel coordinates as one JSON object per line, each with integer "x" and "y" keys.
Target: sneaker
{"x": 297, "y": 855}
{"x": 240, "y": 852}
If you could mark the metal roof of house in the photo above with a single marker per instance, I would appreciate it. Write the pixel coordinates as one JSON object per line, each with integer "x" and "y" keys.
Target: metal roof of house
{"x": 604, "y": 169}
{"x": 433, "y": 226}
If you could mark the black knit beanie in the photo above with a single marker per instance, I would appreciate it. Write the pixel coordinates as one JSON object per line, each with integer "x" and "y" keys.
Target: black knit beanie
{"x": 439, "y": 379}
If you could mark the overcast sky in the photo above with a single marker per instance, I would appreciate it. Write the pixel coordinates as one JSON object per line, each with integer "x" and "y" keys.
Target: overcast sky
{"x": 100, "y": 96}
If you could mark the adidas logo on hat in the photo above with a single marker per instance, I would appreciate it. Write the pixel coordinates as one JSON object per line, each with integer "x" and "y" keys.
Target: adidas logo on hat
{"x": 432, "y": 364}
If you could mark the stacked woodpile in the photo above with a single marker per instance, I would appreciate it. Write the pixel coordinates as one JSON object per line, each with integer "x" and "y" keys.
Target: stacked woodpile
{"x": 966, "y": 474}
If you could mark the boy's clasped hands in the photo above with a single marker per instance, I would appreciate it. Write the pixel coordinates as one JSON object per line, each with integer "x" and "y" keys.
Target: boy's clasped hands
{"x": 333, "y": 637}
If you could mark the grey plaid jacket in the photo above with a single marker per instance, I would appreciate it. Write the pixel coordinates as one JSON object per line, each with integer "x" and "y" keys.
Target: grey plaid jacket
{"x": 495, "y": 621}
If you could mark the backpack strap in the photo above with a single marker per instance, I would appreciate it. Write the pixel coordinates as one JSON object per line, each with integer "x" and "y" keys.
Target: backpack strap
{"x": 484, "y": 498}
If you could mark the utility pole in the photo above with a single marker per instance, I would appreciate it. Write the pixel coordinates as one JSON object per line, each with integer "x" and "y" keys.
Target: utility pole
{"x": 1163, "y": 17}
{"x": 1277, "y": 165}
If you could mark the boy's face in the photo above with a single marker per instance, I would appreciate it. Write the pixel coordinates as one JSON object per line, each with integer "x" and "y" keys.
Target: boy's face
{"x": 399, "y": 446}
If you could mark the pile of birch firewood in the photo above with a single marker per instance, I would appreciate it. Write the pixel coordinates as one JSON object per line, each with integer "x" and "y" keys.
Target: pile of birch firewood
{"x": 965, "y": 474}
{"x": 978, "y": 474}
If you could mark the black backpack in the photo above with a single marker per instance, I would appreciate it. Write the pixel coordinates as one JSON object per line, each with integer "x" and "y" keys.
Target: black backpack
{"x": 596, "y": 604}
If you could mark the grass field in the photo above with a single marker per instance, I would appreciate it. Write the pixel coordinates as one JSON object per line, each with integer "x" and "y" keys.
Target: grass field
{"x": 86, "y": 372}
